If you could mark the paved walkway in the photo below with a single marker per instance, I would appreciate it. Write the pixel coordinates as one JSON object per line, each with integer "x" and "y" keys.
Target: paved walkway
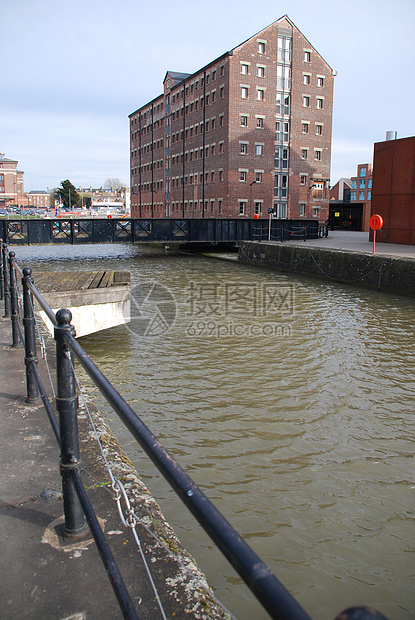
{"x": 42, "y": 574}
{"x": 358, "y": 242}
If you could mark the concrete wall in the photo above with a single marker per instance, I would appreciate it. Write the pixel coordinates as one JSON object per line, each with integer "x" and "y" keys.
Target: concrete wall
{"x": 370, "y": 270}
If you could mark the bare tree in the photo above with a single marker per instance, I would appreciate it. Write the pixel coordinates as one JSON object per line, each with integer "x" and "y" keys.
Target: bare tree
{"x": 113, "y": 183}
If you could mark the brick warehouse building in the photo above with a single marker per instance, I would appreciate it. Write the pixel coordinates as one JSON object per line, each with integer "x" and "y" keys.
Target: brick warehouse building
{"x": 249, "y": 131}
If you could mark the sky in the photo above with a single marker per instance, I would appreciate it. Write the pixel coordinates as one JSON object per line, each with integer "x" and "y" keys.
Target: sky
{"x": 72, "y": 71}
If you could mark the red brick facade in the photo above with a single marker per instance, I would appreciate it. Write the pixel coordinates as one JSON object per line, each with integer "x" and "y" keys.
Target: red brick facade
{"x": 248, "y": 132}
{"x": 393, "y": 194}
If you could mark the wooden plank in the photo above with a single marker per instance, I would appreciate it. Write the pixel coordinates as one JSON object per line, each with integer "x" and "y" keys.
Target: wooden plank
{"x": 107, "y": 279}
{"x": 83, "y": 280}
{"x": 97, "y": 279}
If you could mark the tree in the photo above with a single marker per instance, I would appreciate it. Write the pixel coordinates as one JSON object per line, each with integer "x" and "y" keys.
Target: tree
{"x": 113, "y": 183}
{"x": 67, "y": 194}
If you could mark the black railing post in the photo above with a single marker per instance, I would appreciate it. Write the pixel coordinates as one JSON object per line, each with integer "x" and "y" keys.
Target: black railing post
{"x": 67, "y": 406}
{"x": 1, "y": 270}
{"x": 6, "y": 283}
{"x": 17, "y": 341}
{"x": 29, "y": 337}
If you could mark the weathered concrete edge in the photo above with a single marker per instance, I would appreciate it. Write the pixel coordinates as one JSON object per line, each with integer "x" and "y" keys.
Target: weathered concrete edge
{"x": 198, "y": 602}
{"x": 179, "y": 586}
{"x": 375, "y": 271}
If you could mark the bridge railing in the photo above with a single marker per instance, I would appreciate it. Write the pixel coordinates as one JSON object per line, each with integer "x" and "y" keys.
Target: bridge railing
{"x": 124, "y": 230}
{"x": 270, "y": 592}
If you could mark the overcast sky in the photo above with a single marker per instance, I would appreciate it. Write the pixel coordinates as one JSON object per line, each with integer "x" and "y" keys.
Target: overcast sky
{"x": 72, "y": 71}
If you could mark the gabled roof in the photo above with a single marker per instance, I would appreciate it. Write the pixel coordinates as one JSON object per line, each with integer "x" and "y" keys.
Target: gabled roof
{"x": 291, "y": 23}
{"x": 176, "y": 76}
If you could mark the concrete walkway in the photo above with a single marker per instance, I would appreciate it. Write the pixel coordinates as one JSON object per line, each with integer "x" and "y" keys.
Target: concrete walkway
{"x": 42, "y": 574}
{"x": 357, "y": 242}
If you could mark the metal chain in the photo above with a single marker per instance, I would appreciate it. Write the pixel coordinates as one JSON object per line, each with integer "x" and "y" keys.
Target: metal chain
{"x": 131, "y": 519}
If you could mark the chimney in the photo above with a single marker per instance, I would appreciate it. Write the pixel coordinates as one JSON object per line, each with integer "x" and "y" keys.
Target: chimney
{"x": 391, "y": 135}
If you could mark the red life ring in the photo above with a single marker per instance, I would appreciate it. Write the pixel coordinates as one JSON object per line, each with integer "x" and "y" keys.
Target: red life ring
{"x": 376, "y": 222}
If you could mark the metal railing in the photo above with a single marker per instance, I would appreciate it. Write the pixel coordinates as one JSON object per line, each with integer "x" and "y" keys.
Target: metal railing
{"x": 269, "y": 591}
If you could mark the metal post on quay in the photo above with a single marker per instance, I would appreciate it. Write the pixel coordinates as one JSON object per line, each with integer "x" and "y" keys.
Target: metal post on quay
{"x": 29, "y": 337}
{"x": 67, "y": 406}
{"x": 1, "y": 270}
{"x": 17, "y": 341}
{"x": 6, "y": 282}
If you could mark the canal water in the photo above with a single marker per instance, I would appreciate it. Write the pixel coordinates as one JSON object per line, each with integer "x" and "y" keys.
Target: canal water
{"x": 290, "y": 401}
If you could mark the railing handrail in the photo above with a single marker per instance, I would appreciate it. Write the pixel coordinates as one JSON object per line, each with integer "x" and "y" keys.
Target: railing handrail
{"x": 259, "y": 578}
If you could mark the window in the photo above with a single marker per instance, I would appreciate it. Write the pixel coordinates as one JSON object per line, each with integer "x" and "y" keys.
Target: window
{"x": 259, "y": 149}
{"x": 284, "y": 49}
{"x": 243, "y": 148}
{"x": 261, "y": 72}
{"x": 319, "y": 130}
{"x": 302, "y": 209}
{"x": 320, "y": 81}
{"x": 244, "y": 121}
{"x": 280, "y": 211}
{"x": 352, "y": 195}
{"x": 307, "y": 56}
{"x": 222, "y": 92}
{"x": 242, "y": 207}
{"x": 283, "y": 104}
{"x": 261, "y": 47}
{"x": 362, "y": 172}
{"x": 320, "y": 103}
{"x": 260, "y": 94}
{"x": 369, "y": 182}
{"x": 260, "y": 123}
{"x": 318, "y": 190}
{"x": 361, "y": 195}
{"x": 304, "y": 153}
{"x": 306, "y": 78}
{"x": 283, "y": 77}
{"x": 317, "y": 155}
{"x": 306, "y": 101}
{"x": 258, "y": 177}
{"x": 221, "y": 120}
{"x": 242, "y": 176}
{"x": 362, "y": 183}
{"x": 303, "y": 179}
{"x": 305, "y": 128}
{"x": 369, "y": 195}
{"x": 244, "y": 69}
{"x": 354, "y": 183}
{"x": 316, "y": 211}
{"x": 281, "y": 158}
{"x": 220, "y": 175}
{"x": 221, "y": 148}
{"x": 244, "y": 92}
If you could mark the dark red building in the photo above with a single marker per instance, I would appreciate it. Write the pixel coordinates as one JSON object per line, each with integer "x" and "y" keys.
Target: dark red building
{"x": 248, "y": 132}
{"x": 393, "y": 194}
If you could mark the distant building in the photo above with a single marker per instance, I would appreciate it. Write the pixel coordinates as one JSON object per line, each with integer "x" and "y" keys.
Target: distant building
{"x": 350, "y": 200}
{"x": 105, "y": 199}
{"x": 250, "y": 131}
{"x": 361, "y": 191}
{"x": 37, "y": 199}
{"x": 341, "y": 190}
{"x": 393, "y": 194}
{"x": 11, "y": 183}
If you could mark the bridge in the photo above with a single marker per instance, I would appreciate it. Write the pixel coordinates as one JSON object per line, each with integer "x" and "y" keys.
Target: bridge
{"x": 181, "y": 231}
